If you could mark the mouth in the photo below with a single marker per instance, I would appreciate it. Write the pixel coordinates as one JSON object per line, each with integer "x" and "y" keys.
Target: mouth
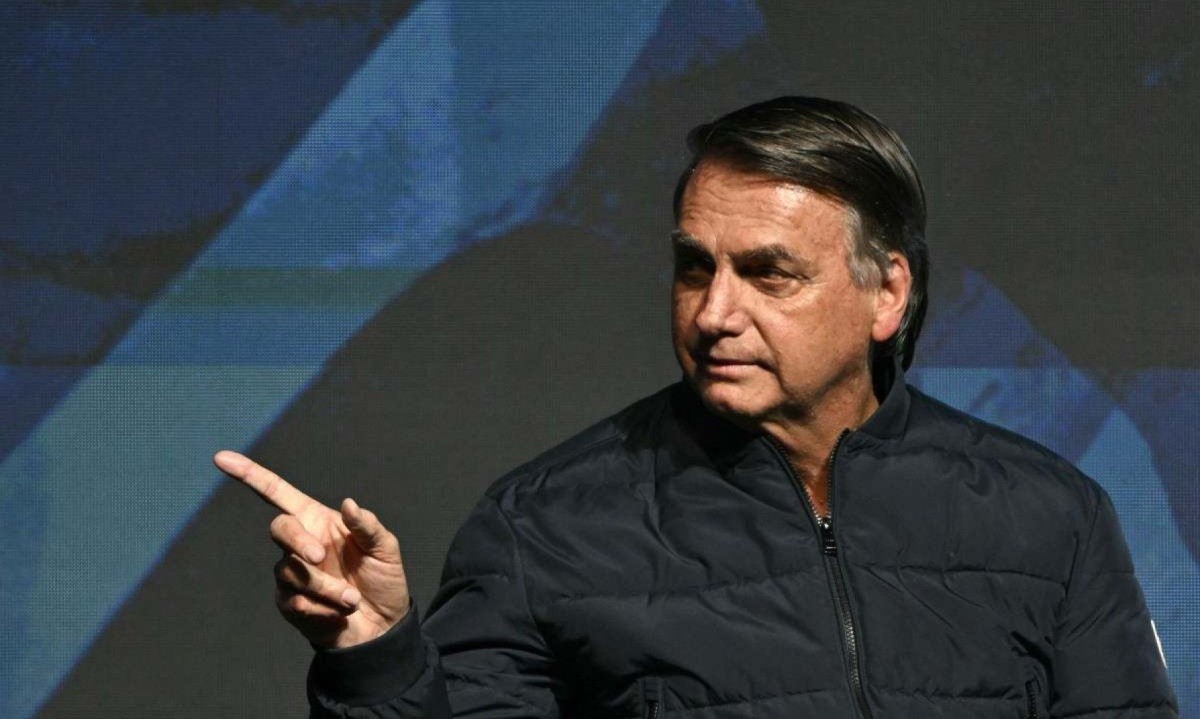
{"x": 724, "y": 366}
{"x": 721, "y": 359}
{"x": 715, "y": 362}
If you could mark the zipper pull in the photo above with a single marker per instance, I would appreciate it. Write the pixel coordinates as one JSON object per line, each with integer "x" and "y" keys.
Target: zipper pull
{"x": 652, "y": 697}
{"x": 652, "y": 709}
{"x": 828, "y": 541}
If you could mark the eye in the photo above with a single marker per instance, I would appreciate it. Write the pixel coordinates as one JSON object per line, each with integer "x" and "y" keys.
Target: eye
{"x": 692, "y": 275}
{"x": 769, "y": 273}
{"x": 692, "y": 270}
{"x": 771, "y": 279}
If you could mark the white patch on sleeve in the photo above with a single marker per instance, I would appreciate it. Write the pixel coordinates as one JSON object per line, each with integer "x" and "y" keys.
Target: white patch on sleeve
{"x": 1158, "y": 641}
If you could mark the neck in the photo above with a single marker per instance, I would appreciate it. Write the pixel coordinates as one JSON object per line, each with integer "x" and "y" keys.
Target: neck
{"x": 808, "y": 441}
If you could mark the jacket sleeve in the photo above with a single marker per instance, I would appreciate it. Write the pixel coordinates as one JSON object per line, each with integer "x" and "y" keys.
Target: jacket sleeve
{"x": 1106, "y": 661}
{"x": 479, "y": 653}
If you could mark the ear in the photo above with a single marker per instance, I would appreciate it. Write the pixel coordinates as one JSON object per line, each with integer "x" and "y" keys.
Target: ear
{"x": 891, "y": 298}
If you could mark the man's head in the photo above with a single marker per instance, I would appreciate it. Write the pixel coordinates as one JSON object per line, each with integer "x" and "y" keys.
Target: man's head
{"x": 800, "y": 260}
{"x": 845, "y": 154}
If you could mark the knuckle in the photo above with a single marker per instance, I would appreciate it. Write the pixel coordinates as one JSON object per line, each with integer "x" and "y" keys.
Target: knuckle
{"x": 390, "y": 542}
{"x": 270, "y": 486}
{"x": 317, "y": 584}
{"x": 283, "y": 601}
{"x": 279, "y": 525}
{"x": 296, "y": 605}
{"x": 299, "y": 569}
{"x": 291, "y": 573}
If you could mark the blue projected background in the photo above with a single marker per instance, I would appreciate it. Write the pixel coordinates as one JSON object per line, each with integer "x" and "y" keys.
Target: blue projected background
{"x": 395, "y": 248}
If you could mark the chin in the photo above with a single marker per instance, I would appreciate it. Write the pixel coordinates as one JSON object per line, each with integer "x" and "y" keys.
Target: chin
{"x": 737, "y": 404}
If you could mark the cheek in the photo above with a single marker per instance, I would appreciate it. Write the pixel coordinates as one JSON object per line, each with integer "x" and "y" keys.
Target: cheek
{"x": 679, "y": 329}
{"x": 682, "y": 313}
{"x": 804, "y": 336}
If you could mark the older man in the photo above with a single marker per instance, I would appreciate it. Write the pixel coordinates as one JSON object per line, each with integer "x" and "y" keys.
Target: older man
{"x": 792, "y": 531}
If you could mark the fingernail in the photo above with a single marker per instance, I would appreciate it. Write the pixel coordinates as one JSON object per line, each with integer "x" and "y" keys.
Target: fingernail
{"x": 351, "y": 597}
{"x": 314, "y": 554}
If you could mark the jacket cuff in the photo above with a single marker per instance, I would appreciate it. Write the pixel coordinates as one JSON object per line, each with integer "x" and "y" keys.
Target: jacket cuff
{"x": 374, "y": 671}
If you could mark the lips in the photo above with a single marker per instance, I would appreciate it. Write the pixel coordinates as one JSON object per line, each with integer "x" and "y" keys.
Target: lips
{"x": 724, "y": 366}
{"x": 722, "y": 360}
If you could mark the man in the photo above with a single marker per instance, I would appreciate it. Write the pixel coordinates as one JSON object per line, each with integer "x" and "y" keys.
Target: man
{"x": 791, "y": 531}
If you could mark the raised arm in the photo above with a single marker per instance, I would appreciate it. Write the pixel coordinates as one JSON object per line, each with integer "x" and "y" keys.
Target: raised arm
{"x": 342, "y": 584}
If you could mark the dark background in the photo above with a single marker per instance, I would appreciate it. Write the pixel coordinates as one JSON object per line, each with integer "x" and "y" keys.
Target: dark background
{"x": 395, "y": 249}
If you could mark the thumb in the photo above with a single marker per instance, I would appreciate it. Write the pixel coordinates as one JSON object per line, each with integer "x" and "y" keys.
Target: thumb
{"x": 368, "y": 533}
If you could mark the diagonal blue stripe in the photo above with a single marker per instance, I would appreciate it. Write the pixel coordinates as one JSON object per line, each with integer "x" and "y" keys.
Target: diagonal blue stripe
{"x": 452, "y": 132}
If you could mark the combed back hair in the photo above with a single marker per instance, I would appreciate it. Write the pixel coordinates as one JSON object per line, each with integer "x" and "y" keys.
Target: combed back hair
{"x": 843, "y": 153}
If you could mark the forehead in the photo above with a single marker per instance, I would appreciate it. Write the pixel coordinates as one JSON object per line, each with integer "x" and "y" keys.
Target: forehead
{"x": 725, "y": 206}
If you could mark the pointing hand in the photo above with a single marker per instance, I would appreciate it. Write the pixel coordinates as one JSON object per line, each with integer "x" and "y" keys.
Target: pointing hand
{"x": 340, "y": 581}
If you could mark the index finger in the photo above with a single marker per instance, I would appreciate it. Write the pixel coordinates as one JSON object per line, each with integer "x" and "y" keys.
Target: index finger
{"x": 267, "y": 484}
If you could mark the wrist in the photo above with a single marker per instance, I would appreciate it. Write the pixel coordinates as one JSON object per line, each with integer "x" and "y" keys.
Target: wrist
{"x": 363, "y": 628}
{"x": 370, "y": 672}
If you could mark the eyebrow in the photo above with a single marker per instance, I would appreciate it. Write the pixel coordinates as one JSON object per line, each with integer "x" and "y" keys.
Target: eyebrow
{"x": 682, "y": 241}
{"x": 775, "y": 252}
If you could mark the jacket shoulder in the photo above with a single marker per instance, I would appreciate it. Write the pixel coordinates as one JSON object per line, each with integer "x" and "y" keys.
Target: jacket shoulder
{"x": 954, "y": 433}
{"x": 574, "y": 461}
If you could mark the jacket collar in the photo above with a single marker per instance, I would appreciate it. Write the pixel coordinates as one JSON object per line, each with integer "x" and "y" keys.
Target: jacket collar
{"x": 724, "y": 440}
{"x": 891, "y": 417}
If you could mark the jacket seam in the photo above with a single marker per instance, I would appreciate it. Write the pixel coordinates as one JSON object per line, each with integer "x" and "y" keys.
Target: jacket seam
{"x": 1121, "y": 708}
{"x": 534, "y": 469}
{"x": 964, "y": 570}
{"x": 1077, "y": 571}
{"x": 944, "y": 695}
{"x": 520, "y": 570}
{"x": 751, "y": 700}
{"x": 580, "y": 486}
{"x": 1016, "y": 457}
{"x": 464, "y": 574}
{"x": 689, "y": 589}
{"x": 476, "y": 683}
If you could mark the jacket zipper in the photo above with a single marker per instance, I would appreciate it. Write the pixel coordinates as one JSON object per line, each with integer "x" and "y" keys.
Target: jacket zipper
{"x": 652, "y": 696}
{"x": 1031, "y": 699}
{"x": 841, "y": 596}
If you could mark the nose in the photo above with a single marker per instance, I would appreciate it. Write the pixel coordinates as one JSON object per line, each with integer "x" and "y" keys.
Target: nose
{"x": 721, "y": 312}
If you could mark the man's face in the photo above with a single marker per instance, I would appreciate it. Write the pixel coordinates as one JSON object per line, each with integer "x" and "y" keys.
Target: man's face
{"x": 767, "y": 323}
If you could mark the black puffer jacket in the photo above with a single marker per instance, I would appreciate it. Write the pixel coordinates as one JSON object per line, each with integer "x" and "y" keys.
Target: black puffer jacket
{"x": 664, "y": 563}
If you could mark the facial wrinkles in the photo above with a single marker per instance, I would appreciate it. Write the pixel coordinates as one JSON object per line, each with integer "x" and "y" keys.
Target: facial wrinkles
{"x": 726, "y": 217}
{"x": 800, "y": 321}
{"x": 731, "y": 307}
{"x": 722, "y": 227}
{"x": 722, "y": 222}
{"x": 829, "y": 222}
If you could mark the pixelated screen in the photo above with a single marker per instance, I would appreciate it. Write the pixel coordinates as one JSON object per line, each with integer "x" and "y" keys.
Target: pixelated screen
{"x": 393, "y": 249}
